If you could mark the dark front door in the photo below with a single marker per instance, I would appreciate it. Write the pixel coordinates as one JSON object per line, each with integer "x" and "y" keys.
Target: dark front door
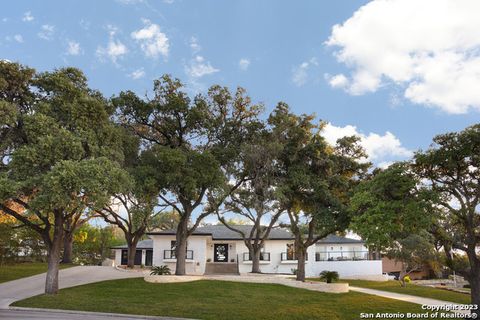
{"x": 149, "y": 258}
{"x": 220, "y": 252}
{"x": 138, "y": 258}
{"x": 124, "y": 257}
{"x": 137, "y": 261}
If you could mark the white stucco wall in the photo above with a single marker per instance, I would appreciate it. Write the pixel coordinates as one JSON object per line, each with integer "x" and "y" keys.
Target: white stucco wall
{"x": 195, "y": 243}
{"x": 202, "y": 247}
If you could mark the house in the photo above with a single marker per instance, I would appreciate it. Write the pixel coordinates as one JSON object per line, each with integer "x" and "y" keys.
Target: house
{"x": 217, "y": 249}
{"x": 394, "y": 267}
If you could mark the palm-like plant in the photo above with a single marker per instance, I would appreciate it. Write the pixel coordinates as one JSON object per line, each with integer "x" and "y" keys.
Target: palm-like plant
{"x": 329, "y": 276}
{"x": 160, "y": 270}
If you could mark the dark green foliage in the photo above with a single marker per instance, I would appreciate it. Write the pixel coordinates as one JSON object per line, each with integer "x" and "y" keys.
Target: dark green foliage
{"x": 329, "y": 276}
{"x": 315, "y": 178}
{"x": 91, "y": 245}
{"x": 160, "y": 270}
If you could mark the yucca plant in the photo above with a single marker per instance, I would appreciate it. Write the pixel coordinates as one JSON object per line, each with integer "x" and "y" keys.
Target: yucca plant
{"x": 329, "y": 276}
{"x": 160, "y": 271}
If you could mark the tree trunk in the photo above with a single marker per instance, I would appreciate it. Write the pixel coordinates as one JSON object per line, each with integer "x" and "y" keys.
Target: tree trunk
{"x": 54, "y": 249}
{"x": 67, "y": 247}
{"x": 475, "y": 291}
{"x": 402, "y": 276}
{"x": 474, "y": 279}
{"x": 132, "y": 250}
{"x": 301, "y": 256}
{"x": 255, "y": 254}
{"x": 181, "y": 247}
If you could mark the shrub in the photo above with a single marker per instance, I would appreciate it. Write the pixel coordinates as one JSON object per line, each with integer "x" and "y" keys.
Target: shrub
{"x": 294, "y": 271}
{"x": 329, "y": 276}
{"x": 407, "y": 279}
{"x": 160, "y": 271}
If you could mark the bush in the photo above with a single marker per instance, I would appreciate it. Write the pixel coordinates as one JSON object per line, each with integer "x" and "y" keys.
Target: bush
{"x": 329, "y": 276}
{"x": 407, "y": 279}
{"x": 160, "y": 271}
{"x": 294, "y": 271}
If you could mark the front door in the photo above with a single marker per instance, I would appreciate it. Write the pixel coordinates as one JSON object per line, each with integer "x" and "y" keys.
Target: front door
{"x": 220, "y": 253}
{"x": 149, "y": 258}
{"x": 124, "y": 257}
{"x": 138, "y": 257}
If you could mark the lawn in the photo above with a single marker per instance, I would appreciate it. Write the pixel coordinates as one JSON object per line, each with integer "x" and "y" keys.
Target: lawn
{"x": 215, "y": 300}
{"x": 415, "y": 290}
{"x": 21, "y": 270}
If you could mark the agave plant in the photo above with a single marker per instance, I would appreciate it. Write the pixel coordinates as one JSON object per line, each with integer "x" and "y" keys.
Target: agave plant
{"x": 160, "y": 270}
{"x": 329, "y": 276}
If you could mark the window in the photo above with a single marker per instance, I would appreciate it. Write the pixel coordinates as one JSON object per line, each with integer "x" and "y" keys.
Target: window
{"x": 290, "y": 251}
{"x": 173, "y": 245}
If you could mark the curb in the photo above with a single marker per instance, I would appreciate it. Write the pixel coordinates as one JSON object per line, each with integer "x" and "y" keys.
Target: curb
{"x": 104, "y": 314}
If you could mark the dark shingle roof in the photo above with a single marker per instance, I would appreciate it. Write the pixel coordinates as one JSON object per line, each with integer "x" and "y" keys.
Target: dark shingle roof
{"x": 333, "y": 238}
{"x": 220, "y": 232}
{"x": 144, "y": 244}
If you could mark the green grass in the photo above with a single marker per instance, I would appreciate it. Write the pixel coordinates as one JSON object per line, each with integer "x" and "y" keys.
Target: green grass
{"x": 16, "y": 271}
{"x": 215, "y": 300}
{"x": 412, "y": 289}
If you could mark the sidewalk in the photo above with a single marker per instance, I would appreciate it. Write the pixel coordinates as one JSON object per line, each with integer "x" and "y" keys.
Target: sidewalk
{"x": 409, "y": 298}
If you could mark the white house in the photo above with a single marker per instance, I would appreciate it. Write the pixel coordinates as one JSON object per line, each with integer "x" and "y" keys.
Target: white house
{"x": 217, "y": 249}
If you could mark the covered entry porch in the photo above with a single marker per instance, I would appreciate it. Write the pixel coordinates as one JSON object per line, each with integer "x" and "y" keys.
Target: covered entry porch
{"x": 222, "y": 257}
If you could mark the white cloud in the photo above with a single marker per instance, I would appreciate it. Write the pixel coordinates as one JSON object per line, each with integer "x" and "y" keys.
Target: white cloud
{"x": 46, "y": 32}
{"x": 381, "y": 149}
{"x": 73, "y": 48}
{"x": 300, "y": 73}
{"x": 18, "y": 38}
{"x": 152, "y": 41}
{"x": 243, "y": 64}
{"x": 27, "y": 17}
{"x": 114, "y": 50}
{"x": 337, "y": 81}
{"x": 429, "y": 49}
{"x": 137, "y": 74}
{"x": 198, "y": 68}
{"x": 194, "y": 45}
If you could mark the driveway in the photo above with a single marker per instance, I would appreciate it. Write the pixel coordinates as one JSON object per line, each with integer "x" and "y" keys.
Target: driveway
{"x": 31, "y": 286}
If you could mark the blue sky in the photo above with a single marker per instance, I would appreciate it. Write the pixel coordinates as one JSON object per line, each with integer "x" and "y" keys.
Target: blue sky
{"x": 396, "y": 72}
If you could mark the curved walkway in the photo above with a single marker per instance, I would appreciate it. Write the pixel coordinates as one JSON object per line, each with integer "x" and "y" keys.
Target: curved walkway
{"x": 409, "y": 298}
{"x": 20, "y": 289}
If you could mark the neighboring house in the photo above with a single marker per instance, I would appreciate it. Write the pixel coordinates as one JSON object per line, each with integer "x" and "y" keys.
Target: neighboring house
{"x": 394, "y": 267}
{"x": 217, "y": 249}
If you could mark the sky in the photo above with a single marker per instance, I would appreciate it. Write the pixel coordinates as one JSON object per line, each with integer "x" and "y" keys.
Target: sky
{"x": 394, "y": 72}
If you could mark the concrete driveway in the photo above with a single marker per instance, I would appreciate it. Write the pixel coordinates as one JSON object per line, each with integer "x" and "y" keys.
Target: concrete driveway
{"x": 31, "y": 286}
